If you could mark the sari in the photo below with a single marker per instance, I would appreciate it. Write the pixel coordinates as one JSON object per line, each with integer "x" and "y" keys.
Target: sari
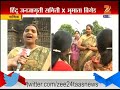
{"x": 75, "y": 55}
{"x": 36, "y": 60}
{"x": 94, "y": 65}
{"x": 86, "y": 54}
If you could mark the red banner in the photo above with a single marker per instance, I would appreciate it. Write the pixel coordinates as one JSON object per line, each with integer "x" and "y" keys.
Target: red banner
{"x": 59, "y": 7}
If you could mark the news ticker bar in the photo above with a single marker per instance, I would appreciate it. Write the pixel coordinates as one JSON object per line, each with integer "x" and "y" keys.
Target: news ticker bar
{"x": 59, "y": 7}
{"x": 60, "y": 84}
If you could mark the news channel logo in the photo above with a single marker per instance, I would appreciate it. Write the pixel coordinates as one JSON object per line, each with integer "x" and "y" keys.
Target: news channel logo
{"x": 107, "y": 11}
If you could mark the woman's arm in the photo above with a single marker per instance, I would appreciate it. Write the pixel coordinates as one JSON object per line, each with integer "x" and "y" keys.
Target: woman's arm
{"x": 9, "y": 63}
{"x": 80, "y": 46}
{"x": 92, "y": 48}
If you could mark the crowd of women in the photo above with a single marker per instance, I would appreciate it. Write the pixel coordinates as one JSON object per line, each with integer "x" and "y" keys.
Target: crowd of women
{"x": 87, "y": 52}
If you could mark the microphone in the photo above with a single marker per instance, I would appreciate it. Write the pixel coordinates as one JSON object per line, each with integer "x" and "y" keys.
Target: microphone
{"x": 24, "y": 52}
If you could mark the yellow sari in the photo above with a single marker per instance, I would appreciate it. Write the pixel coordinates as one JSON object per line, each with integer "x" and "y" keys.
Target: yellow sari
{"x": 86, "y": 54}
{"x": 36, "y": 60}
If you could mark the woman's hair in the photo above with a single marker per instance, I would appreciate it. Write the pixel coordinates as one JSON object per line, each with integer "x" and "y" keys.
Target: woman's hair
{"x": 76, "y": 31}
{"x": 90, "y": 26}
{"x": 104, "y": 45}
{"x": 61, "y": 41}
{"x": 34, "y": 26}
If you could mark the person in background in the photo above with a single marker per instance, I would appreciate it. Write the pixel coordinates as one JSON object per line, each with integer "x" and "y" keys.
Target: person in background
{"x": 104, "y": 61}
{"x": 75, "y": 51}
{"x": 61, "y": 44}
{"x": 87, "y": 45}
{"x": 39, "y": 57}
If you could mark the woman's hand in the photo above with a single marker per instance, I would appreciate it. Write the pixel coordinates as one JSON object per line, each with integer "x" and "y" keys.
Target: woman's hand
{"x": 92, "y": 48}
{"x": 18, "y": 59}
{"x": 22, "y": 59}
{"x": 89, "y": 47}
{"x": 85, "y": 48}
{"x": 13, "y": 61}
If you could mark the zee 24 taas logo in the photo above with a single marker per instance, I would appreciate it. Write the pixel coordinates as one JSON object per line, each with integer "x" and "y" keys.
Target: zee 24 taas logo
{"x": 107, "y": 11}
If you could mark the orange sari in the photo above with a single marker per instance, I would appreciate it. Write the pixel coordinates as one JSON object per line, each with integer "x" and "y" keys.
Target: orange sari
{"x": 94, "y": 65}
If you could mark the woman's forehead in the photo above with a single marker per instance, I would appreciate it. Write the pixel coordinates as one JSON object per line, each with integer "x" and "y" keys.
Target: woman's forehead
{"x": 76, "y": 33}
{"x": 31, "y": 27}
{"x": 88, "y": 27}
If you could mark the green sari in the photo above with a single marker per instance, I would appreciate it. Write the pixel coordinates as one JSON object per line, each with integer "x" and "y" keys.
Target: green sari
{"x": 36, "y": 60}
{"x": 86, "y": 54}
